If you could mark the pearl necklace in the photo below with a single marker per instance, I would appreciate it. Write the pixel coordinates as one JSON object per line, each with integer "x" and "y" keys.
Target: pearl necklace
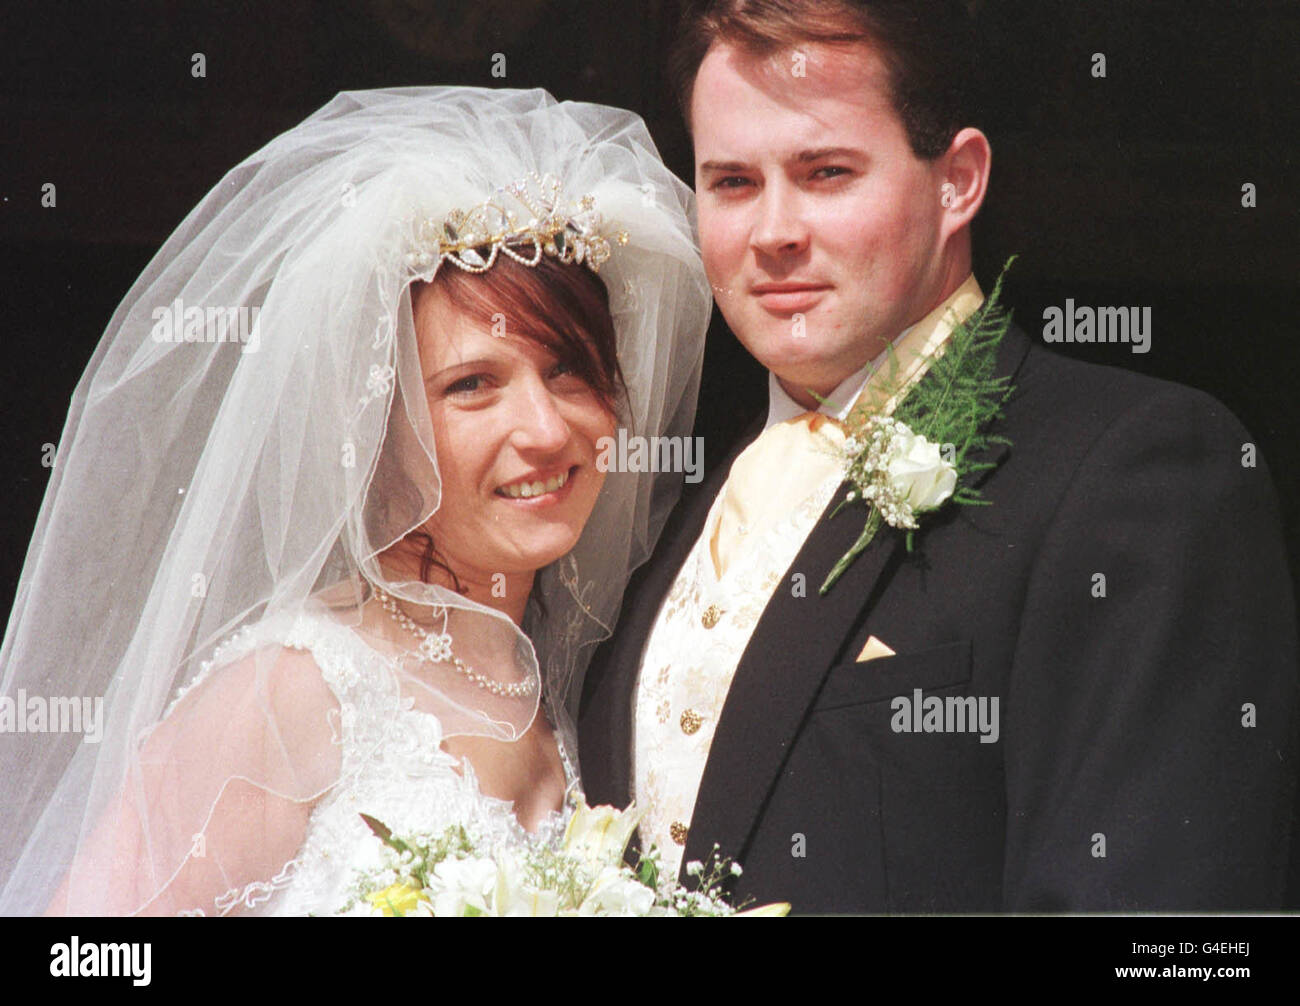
{"x": 437, "y": 650}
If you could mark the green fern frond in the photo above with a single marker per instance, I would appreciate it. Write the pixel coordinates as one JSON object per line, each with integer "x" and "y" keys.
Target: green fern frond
{"x": 954, "y": 403}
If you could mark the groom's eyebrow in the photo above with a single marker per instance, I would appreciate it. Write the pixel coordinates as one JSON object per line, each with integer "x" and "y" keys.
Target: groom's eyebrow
{"x": 800, "y": 157}
{"x": 724, "y": 166}
{"x": 822, "y": 153}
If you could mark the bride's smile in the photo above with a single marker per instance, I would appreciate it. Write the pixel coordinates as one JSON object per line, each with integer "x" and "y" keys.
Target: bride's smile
{"x": 537, "y": 487}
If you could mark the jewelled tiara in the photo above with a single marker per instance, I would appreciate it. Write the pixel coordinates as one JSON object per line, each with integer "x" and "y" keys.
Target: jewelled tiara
{"x": 472, "y": 239}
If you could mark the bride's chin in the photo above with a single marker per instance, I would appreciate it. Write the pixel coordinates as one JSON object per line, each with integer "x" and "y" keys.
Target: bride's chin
{"x": 544, "y": 556}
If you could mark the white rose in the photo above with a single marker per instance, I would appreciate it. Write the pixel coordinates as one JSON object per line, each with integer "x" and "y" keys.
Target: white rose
{"x": 461, "y": 885}
{"x": 617, "y": 892}
{"x": 917, "y": 471}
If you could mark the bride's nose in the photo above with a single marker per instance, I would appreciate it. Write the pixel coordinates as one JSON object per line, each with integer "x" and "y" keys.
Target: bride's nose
{"x": 538, "y": 423}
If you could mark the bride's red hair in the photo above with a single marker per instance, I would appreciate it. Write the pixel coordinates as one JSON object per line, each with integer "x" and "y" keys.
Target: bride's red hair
{"x": 561, "y": 306}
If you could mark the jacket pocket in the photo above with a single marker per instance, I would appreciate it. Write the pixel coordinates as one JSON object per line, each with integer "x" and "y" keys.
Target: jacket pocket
{"x": 852, "y": 684}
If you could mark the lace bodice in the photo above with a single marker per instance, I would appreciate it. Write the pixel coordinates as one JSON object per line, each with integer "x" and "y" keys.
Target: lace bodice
{"x": 392, "y": 768}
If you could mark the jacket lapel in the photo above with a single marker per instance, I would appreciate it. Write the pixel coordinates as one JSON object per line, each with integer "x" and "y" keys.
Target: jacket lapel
{"x": 776, "y": 681}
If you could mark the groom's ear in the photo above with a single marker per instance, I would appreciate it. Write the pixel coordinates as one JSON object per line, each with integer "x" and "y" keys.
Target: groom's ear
{"x": 965, "y": 166}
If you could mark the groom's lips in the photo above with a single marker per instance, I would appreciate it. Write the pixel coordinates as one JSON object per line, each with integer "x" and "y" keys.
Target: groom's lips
{"x": 786, "y": 298}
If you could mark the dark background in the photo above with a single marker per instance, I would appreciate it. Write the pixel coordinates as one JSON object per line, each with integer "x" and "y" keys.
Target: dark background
{"x": 1125, "y": 190}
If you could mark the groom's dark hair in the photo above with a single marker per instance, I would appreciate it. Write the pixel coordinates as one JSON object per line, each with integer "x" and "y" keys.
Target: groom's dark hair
{"x": 928, "y": 47}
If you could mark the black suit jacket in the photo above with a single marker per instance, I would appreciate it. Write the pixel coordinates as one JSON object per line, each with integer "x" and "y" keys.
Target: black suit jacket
{"x": 1127, "y": 774}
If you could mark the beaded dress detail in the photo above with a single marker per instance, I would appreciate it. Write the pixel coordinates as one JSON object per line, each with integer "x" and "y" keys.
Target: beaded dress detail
{"x": 392, "y": 767}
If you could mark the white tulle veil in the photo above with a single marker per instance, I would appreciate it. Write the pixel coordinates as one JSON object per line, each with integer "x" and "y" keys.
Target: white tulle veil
{"x": 206, "y": 487}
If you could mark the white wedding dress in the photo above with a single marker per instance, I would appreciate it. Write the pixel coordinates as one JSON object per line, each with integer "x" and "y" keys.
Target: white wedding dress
{"x": 392, "y": 769}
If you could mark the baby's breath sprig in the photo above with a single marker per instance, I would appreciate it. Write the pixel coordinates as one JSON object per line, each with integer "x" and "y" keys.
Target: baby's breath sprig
{"x": 706, "y": 897}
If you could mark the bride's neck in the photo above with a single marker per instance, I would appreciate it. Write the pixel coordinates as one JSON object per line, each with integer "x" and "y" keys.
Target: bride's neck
{"x": 506, "y": 592}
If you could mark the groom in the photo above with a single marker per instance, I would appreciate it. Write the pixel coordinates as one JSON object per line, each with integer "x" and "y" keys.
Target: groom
{"x": 1080, "y": 697}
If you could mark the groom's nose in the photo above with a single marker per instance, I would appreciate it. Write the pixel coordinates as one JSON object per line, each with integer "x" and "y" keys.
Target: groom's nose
{"x": 778, "y": 227}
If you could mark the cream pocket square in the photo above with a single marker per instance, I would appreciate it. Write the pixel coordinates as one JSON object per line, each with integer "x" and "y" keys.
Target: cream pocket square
{"x": 874, "y": 648}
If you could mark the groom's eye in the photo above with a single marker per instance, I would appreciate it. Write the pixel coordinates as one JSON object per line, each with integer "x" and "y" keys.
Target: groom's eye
{"x": 830, "y": 171}
{"x": 730, "y": 182}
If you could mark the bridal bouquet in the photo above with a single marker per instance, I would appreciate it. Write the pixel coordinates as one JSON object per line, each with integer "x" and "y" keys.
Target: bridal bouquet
{"x": 582, "y": 875}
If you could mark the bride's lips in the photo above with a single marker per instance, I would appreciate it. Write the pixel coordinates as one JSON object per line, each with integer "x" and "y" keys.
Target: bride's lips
{"x": 787, "y": 298}
{"x": 538, "y": 489}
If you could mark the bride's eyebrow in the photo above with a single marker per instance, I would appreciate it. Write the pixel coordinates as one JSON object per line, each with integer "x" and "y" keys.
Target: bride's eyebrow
{"x": 461, "y": 365}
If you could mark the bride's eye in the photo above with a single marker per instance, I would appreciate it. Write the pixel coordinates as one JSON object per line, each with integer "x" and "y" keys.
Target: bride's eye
{"x": 569, "y": 379}
{"x": 466, "y": 385}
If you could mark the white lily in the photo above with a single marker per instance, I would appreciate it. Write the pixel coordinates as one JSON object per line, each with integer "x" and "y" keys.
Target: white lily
{"x": 599, "y": 835}
{"x": 513, "y": 897}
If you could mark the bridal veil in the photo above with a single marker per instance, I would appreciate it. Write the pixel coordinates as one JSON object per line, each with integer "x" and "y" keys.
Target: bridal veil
{"x": 250, "y": 434}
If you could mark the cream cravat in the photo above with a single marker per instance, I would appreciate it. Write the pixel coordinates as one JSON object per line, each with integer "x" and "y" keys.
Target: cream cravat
{"x": 771, "y": 477}
{"x": 791, "y": 458}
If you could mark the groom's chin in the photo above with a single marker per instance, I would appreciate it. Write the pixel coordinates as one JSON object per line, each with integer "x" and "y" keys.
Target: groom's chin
{"x": 800, "y": 374}
{"x": 791, "y": 351}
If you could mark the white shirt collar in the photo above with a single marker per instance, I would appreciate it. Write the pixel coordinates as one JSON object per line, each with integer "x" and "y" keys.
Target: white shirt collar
{"x": 780, "y": 406}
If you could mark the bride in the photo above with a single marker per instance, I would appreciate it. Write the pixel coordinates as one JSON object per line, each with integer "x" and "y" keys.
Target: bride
{"x": 327, "y": 533}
